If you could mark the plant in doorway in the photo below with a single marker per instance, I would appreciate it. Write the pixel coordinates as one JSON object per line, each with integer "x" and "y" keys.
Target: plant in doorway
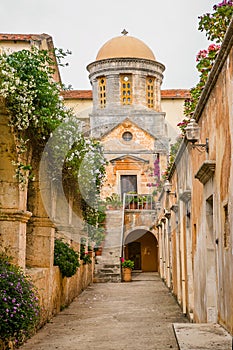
{"x": 127, "y": 266}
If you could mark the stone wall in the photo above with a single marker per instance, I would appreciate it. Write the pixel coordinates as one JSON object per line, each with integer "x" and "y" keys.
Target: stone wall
{"x": 30, "y": 219}
{"x": 195, "y": 227}
{"x": 56, "y": 292}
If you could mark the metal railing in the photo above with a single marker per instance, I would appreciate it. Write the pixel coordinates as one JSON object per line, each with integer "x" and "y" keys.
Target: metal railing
{"x": 139, "y": 202}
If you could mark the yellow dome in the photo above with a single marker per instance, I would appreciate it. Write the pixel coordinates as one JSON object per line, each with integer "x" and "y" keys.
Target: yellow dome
{"x": 125, "y": 46}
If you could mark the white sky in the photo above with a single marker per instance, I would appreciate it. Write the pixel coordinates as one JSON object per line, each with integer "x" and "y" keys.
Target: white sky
{"x": 168, "y": 27}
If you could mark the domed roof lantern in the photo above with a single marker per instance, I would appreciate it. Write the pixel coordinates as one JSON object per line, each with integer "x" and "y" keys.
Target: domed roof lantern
{"x": 125, "y": 46}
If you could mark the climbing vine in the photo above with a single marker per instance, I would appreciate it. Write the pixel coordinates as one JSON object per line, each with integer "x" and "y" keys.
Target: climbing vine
{"x": 33, "y": 100}
{"x": 37, "y": 114}
{"x": 215, "y": 25}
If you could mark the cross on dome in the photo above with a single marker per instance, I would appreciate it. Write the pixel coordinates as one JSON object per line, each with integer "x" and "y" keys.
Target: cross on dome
{"x": 124, "y": 32}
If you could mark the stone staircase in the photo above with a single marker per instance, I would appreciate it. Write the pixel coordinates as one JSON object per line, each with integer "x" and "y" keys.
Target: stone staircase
{"x": 108, "y": 267}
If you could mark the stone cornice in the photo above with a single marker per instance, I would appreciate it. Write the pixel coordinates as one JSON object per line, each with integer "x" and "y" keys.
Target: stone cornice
{"x": 174, "y": 208}
{"x": 41, "y": 221}
{"x": 185, "y": 196}
{"x": 124, "y": 60}
{"x": 15, "y": 215}
{"x": 206, "y": 171}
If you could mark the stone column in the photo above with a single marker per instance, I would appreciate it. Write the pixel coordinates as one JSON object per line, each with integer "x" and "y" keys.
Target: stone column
{"x": 13, "y": 212}
{"x": 13, "y": 233}
{"x": 41, "y": 229}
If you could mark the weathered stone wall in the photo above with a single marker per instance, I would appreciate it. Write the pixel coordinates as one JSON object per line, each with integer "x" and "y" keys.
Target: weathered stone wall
{"x": 56, "y": 292}
{"x": 213, "y": 209}
{"x": 13, "y": 202}
{"x": 200, "y": 219}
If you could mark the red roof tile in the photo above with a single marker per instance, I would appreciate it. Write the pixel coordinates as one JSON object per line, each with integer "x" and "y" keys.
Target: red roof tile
{"x": 23, "y": 37}
{"x": 87, "y": 94}
{"x": 79, "y": 94}
{"x": 175, "y": 93}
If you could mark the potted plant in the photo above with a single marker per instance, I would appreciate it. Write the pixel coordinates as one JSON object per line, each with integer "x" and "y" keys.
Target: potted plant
{"x": 127, "y": 266}
{"x": 132, "y": 201}
{"x": 113, "y": 201}
{"x": 141, "y": 201}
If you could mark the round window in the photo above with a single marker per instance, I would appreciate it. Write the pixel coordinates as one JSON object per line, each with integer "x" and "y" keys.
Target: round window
{"x": 127, "y": 136}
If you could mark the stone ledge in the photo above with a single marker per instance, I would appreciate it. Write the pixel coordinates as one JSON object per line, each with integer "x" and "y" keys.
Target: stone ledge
{"x": 206, "y": 171}
{"x": 185, "y": 196}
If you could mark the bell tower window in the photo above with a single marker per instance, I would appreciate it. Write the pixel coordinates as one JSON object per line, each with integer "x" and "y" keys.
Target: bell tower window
{"x": 126, "y": 89}
{"x": 150, "y": 92}
{"x": 102, "y": 91}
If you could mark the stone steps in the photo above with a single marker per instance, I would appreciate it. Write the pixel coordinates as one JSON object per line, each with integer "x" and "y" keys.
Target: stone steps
{"x": 107, "y": 268}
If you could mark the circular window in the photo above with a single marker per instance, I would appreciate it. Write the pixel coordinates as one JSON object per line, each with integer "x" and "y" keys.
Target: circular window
{"x": 127, "y": 136}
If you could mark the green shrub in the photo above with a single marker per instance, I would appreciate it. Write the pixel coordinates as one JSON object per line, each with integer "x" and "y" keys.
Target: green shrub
{"x": 66, "y": 258}
{"x": 19, "y": 303}
{"x": 84, "y": 256}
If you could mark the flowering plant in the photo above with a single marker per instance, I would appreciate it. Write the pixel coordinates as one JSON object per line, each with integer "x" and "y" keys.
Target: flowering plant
{"x": 127, "y": 263}
{"x": 84, "y": 256}
{"x": 215, "y": 24}
{"x": 19, "y": 304}
{"x": 155, "y": 173}
{"x": 33, "y": 100}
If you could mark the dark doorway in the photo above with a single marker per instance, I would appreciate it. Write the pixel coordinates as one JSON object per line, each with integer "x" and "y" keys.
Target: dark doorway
{"x": 134, "y": 253}
{"x": 128, "y": 184}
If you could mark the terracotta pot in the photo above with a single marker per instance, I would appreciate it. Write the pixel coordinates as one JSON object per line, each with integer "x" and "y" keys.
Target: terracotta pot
{"x": 98, "y": 252}
{"x": 133, "y": 205}
{"x": 127, "y": 274}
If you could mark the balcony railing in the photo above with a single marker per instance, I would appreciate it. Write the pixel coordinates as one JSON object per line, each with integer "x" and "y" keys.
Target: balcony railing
{"x": 138, "y": 201}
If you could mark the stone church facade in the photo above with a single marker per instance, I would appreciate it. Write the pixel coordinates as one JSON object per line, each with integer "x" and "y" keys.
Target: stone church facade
{"x": 127, "y": 118}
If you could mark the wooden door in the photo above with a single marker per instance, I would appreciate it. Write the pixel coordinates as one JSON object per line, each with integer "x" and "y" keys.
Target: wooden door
{"x": 134, "y": 253}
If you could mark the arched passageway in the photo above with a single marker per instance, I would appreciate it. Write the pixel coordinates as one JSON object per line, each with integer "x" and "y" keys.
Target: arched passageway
{"x": 142, "y": 247}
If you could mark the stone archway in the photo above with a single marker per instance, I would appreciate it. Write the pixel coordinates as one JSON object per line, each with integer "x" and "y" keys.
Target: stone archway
{"x": 142, "y": 247}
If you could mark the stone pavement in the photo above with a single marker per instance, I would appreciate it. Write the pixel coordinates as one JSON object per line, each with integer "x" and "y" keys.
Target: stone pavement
{"x": 115, "y": 316}
{"x": 141, "y": 314}
{"x": 204, "y": 336}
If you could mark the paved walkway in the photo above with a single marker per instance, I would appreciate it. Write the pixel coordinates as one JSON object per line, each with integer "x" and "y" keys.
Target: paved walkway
{"x": 204, "y": 336}
{"x": 115, "y": 316}
{"x": 141, "y": 314}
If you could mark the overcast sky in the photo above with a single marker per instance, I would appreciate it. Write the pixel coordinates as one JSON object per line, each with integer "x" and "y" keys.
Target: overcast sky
{"x": 168, "y": 27}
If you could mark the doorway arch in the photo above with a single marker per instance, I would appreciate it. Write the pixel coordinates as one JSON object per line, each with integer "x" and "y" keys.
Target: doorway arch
{"x": 142, "y": 247}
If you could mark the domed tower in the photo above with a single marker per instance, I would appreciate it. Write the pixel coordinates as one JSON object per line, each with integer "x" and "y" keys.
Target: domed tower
{"x": 126, "y": 81}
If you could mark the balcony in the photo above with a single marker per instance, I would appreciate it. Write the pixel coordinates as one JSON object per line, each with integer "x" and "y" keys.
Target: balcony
{"x": 138, "y": 202}
{"x": 139, "y": 211}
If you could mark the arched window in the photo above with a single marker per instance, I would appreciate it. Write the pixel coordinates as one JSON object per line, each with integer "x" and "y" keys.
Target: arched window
{"x": 150, "y": 92}
{"x": 126, "y": 89}
{"x": 102, "y": 91}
